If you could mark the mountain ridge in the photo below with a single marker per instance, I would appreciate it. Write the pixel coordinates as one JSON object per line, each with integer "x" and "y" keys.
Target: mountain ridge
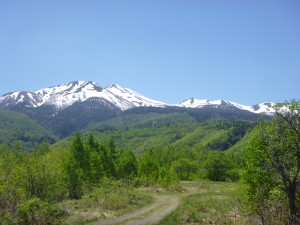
{"x": 65, "y": 109}
{"x": 65, "y": 95}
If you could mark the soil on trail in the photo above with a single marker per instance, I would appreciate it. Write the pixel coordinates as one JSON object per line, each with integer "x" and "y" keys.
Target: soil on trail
{"x": 162, "y": 206}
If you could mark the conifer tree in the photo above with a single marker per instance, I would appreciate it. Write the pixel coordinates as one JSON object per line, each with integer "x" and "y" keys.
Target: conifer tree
{"x": 127, "y": 166}
{"x": 112, "y": 148}
{"x": 74, "y": 167}
{"x": 148, "y": 167}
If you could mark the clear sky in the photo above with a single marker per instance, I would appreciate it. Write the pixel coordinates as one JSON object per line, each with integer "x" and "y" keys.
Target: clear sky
{"x": 169, "y": 50}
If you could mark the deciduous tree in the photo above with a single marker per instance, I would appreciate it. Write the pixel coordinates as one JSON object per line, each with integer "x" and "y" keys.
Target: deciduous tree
{"x": 273, "y": 160}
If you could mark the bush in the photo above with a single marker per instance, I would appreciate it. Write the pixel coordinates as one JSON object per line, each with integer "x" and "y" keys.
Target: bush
{"x": 35, "y": 211}
{"x": 114, "y": 195}
{"x": 216, "y": 166}
{"x": 233, "y": 175}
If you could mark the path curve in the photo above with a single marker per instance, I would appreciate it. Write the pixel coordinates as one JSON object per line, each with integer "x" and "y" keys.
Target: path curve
{"x": 163, "y": 205}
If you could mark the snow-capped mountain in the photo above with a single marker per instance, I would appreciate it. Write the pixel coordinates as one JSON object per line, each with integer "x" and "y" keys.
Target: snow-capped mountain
{"x": 124, "y": 98}
{"x": 262, "y": 108}
{"x": 66, "y": 108}
{"x": 63, "y": 96}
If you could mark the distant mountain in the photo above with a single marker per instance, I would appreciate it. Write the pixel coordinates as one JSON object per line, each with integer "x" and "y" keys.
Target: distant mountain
{"x": 66, "y": 108}
{"x": 63, "y": 96}
{"x": 262, "y": 108}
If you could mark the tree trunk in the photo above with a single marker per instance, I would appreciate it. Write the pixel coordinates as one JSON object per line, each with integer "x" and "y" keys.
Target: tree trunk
{"x": 291, "y": 192}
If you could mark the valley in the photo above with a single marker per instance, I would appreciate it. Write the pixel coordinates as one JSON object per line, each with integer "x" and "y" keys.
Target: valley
{"x": 81, "y": 154}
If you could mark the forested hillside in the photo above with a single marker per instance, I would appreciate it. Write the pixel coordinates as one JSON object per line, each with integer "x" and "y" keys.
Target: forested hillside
{"x": 150, "y": 131}
{"x": 43, "y": 184}
{"x": 17, "y": 128}
{"x": 136, "y": 150}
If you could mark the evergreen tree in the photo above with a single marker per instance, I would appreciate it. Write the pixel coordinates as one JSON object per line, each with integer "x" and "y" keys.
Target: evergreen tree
{"x": 78, "y": 151}
{"x": 112, "y": 148}
{"x": 148, "y": 167}
{"x": 75, "y": 166}
{"x": 127, "y": 166}
{"x": 74, "y": 178}
{"x": 96, "y": 170}
{"x": 107, "y": 161}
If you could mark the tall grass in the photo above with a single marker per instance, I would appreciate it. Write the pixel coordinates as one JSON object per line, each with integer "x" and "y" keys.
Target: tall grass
{"x": 107, "y": 201}
{"x": 214, "y": 203}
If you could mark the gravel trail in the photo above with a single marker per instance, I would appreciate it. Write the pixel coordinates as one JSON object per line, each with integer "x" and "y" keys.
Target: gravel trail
{"x": 163, "y": 205}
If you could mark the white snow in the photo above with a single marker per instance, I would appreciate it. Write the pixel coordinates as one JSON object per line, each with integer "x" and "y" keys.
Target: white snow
{"x": 65, "y": 95}
{"x": 125, "y": 98}
{"x": 198, "y": 103}
{"x": 264, "y": 108}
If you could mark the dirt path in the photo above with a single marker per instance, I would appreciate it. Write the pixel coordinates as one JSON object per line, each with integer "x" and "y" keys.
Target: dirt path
{"x": 163, "y": 205}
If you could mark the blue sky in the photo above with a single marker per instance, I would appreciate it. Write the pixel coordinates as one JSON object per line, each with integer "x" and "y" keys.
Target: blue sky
{"x": 170, "y": 50}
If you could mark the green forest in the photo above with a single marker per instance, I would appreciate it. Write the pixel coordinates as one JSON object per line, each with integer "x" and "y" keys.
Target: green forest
{"x": 246, "y": 172}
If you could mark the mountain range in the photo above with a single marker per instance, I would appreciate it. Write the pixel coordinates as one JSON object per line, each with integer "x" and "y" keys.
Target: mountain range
{"x": 68, "y": 107}
{"x": 63, "y": 96}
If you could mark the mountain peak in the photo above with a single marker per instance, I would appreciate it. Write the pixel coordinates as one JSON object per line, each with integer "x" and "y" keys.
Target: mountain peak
{"x": 113, "y": 85}
{"x": 264, "y": 108}
{"x": 65, "y": 95}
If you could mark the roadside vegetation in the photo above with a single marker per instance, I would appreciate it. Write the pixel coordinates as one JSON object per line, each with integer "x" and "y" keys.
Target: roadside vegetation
{"x": 208, "y": 202}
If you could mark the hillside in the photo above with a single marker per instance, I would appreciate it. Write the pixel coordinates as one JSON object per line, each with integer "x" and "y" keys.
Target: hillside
{"x": 142, "y": 132}
{"x": 15, "y": 126}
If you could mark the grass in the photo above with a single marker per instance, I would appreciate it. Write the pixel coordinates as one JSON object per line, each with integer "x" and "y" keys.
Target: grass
{"x": 209, "y": 203}
{"x": 104, "y": 203}
{"x": 202, "y": 202}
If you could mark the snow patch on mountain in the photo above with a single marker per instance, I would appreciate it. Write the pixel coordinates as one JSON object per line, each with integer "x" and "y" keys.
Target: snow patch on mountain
{"x": 125, "y": 98}
{"x": 263, "y": 108}
{"x": 198, "y": 103}
{"x": 63, "y": 96}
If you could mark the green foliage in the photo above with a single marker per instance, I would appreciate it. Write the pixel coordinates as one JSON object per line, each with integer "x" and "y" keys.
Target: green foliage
{"x": 214, "y": 203}
{"x": 10, "y": 197}
{"x": 272, "y": 172}
{"x": 88, "y": 162}
{"x": 178, "y": 135}
{"x": 235, "y": 131}
{"x": 113, "y": 194}
{"x": 160, "y": 150}
{"x": 148, "y": 168}
{"x": 36, "y": 212}
{"x": 167, "y": 178}
{"x": 37, "y": 177}
{"x": 145, "y": 120}
{"x": 28, "y": 184}
{"x": 79, "y": 152}
{"x": 76, "y": 166}
{"x": 183, "y": 167}
{"x": 127, "y": 166}
{"x": 17, "y": 127}
{"x": 217, "y": 166}
{"x": 112, "y": 148}
{"x": 74, "y": 178}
